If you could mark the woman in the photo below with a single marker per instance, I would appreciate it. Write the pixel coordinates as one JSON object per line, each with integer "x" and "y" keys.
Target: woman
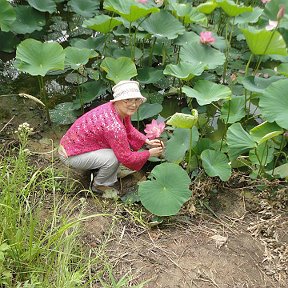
{"x": 104, "y": 137}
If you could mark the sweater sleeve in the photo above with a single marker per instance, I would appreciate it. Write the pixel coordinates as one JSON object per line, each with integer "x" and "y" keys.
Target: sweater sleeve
{"x": 136, "y": 139}
{"x": 120, "y": 145}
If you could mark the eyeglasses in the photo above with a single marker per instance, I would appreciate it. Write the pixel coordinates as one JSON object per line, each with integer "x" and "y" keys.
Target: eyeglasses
{"x": 132, "y": 101}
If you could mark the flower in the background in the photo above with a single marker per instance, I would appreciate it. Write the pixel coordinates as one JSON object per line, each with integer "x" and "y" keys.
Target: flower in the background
{"x": 154, "y": 129}
{"x": 272, "y": 25}
{"x": 265, "y": 1}
{"x": 206, "y": 37}
{"x": 142, "y": 1}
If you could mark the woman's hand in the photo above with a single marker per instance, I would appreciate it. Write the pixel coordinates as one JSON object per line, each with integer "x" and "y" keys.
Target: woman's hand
{"x": 156, "y": 152}
{"x": 155, "y": 143}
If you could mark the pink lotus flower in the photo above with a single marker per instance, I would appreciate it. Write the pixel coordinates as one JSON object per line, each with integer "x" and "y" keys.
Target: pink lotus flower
{"x": 265, "y": 1}
{"x": 155, "y": 129}
{"x": 206, "y": 37}
{"x": 142, "y": 1}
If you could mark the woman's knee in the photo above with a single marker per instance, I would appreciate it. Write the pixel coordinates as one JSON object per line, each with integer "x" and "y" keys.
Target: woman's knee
{"x": 111, "y": 161}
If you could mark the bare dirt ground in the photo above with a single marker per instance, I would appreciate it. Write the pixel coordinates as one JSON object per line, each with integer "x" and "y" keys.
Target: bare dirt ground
{"x": 237, "y": 239}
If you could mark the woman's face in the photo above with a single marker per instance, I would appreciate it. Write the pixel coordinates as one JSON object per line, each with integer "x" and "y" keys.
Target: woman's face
{"x": 127, "y": 107}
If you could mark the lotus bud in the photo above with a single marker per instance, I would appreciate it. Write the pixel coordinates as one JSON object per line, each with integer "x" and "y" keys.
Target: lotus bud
{"x": 281, "y": 12}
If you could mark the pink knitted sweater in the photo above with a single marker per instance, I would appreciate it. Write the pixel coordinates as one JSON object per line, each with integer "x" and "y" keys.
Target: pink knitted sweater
{"x": 102, "y": 128}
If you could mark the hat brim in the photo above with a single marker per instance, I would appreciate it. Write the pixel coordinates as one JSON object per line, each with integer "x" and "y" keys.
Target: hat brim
{"x": 130, "y": 96}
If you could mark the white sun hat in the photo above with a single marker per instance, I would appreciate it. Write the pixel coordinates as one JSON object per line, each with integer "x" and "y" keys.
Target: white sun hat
{"x": 127, "y": 89}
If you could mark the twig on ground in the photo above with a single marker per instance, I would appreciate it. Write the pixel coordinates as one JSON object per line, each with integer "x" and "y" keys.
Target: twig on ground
{"x": 7, "y": 124}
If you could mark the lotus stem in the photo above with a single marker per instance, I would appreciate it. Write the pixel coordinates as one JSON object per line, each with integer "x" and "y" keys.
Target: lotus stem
{"x": 190, "y": 149}
{"x": 227, "y": 50}
{"x": 280, "y": 152}
{"x": 151, "y": 51}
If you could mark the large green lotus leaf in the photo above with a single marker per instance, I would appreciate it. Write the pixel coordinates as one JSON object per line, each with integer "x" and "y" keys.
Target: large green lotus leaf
{"x": 7, "y": 15}
{"x": 119, "y": 69}
{"x": 197, "y": 17}
{"x": 274, "y": 103}
{"x": 186, "y": 38}
{"x": 179, "y": 143}
{"x": 283, "y": 69}
{"x": 265, "y": 131}
{"x": 216, "y": 163}
{"x": 76, "y": 78}
{"x": 207, "y": 92}
{"x": 181, "y": 120}
{"x": 96, "y": 43}
{"x": 87, "y": 8}
{"x": 233, "y": 110}
{"x": 76, "y": 57}
{"x": 89, "y": 91}
{"x": 64, "y": 113}
{"x": 208, "y": 7}
{"x": 117, "y": 52}
{"x": 8, "y": 41}
{"x": 281, "y": 171}
{"x": 263, "y": 155}
{"x": 43, "y": 6}
{"x": 272, "y": 8}
{"x": 166, "y": 190}
{"x": 37, "y": 58}
{"x": 232, "y": 9}
{"x": 184, "y": 70}
{"x": 202, "y": 144}
{"x": 188, "y": 13}
{"x": 102, "y": 23}
{"x": 129, "y": 9}
{"x": 249, "y": 17}
{"x": 146, "y": 111}
{"x": 238, "y": 141}
{"x": 263, "y": 42}
{"x": 258, "y": 84}
{"x": 163, "y": 25}
{"x": 28, "y": 20}
{"x": 148, "y": 75}
{"x": 202, "y": 54}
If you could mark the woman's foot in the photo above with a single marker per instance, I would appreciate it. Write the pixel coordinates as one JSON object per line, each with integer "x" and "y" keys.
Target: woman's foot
{"x": 107, "y": 192}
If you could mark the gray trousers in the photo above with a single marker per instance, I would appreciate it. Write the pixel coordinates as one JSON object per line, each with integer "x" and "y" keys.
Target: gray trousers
{"x": 103, "y": 159}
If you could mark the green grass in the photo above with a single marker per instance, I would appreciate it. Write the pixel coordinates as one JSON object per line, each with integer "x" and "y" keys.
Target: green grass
{"x": 40, "y": 228}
